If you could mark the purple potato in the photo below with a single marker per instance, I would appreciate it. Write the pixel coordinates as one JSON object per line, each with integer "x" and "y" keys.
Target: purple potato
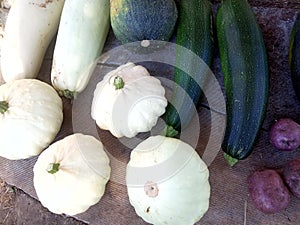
{"x": 285, "y": 134}
{"x": 291, "y": 175}
{"x": 268, "y": 192}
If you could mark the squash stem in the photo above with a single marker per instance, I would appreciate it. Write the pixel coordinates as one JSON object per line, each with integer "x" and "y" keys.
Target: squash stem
{"x": 53, "y": 168}
{"x": 169, "y": 131}
{"x": 68, "y": 94}
{"x": 230, "y": 160}
{"x": 3, "y": 106}
{"x": 118, "y": 83}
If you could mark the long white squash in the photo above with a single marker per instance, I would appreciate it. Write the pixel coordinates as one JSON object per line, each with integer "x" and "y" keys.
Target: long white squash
{"x": 29, "y": 29}
{"x": 81, "y": 36}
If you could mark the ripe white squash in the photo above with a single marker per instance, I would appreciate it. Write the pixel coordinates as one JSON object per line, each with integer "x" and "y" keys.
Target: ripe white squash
{"x": 71, "y": 174}
{"x": 167, "y": 182}
{"x": 128, "y": 101}
{"x": 29, "y": 29}
{"x": 81, "y": 36}
{"x": 30, "y": 117}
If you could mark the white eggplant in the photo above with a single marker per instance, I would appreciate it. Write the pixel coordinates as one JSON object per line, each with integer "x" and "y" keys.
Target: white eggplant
{"x": 29, "y": 29}
{"x": 81, "y": 36}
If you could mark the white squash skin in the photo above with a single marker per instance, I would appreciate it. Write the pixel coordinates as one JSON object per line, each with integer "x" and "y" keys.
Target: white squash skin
{"x": 80, "y": 181}
{"x": 183, "y": 198}
{"x": 30, "y": 27}
{"x": 81, "y": 36}
{"x": 33, "y": 119}
{"x": 6, "y": 3}
{"x": 134, "y": 108}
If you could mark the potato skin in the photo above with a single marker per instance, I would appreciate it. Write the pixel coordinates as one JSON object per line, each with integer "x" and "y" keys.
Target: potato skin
{"x": 291, "y": 175}
{"x": 285, "y": 134}
{"x": 267, "y": 191}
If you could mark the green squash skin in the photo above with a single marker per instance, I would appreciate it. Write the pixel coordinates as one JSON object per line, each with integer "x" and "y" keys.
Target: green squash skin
{"x": 294, "y": 56}
{"x": 194, "y": 32}
{"x": 137, "y": 20}
{"x": 246, "y": 77}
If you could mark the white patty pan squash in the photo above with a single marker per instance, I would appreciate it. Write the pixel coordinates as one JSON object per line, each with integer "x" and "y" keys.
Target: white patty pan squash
{"x": 167, "y": 182}
{"x": 128, "y": 100}
{"x": 31, "y": 115}
{"x": 70, "y": 175}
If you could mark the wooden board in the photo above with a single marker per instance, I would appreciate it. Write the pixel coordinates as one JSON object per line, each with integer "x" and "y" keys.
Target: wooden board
{"x": 229, "y": 203}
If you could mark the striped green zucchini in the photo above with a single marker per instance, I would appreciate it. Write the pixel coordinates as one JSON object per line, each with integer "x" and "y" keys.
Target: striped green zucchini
{"x": 246, "y": 77}
{"x": 194, "y": 32}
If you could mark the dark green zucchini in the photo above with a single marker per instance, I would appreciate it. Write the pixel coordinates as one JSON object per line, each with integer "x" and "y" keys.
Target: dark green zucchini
{"x": 294, "y": 56}
{"x": 246, "y": 77}
{"x": 194, "y": 32}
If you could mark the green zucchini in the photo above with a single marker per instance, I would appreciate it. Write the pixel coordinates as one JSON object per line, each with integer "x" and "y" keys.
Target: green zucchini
{"x": 294, "y": 56}
{"x": 246, "y": 77}
{"x": 194, "y": 32}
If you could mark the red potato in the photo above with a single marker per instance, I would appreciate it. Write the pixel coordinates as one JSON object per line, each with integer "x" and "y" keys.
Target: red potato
{"x": 285, "y": 134}
{"x": 267, "y": 191}
{"x": 291, "y": 174}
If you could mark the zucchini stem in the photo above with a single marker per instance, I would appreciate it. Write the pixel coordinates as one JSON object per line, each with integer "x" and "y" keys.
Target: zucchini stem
{"x": 169, "y": 131}
{"x": 3, "y": 106}
{"x": 230, "y": 160}
{"x": 118, "y": 83}
{"x": 53, "y": 168}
